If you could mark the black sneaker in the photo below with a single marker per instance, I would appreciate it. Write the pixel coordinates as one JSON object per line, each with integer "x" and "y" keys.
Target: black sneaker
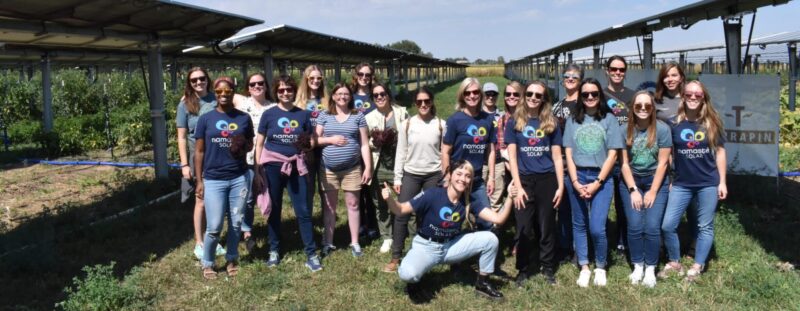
{"x": 522, "y": 277}
{"x": 486, "y": 289}
{"x": 549, "y": 276}
{"x": 416, "y": 293}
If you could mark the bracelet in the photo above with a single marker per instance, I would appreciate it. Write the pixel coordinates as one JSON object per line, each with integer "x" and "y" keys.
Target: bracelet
{"x": 184, "y": 165}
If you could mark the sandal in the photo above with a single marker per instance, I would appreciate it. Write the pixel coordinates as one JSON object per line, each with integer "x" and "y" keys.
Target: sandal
{"x": 693, "y": 274}
{"x": 669, "y": 269}
{"x": 232, "y": 269}
{"x": 209, "y": 274}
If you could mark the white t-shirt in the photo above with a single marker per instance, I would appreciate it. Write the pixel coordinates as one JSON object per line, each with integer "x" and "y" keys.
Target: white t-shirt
{"x": 254, "y": 110}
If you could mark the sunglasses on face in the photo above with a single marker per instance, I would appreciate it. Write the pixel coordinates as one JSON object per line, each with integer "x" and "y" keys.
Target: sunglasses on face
{"x": 698, "y": 95}
{"x": 223, "y": 92}
{"x": 198, "y": 79}
{"x": 286, "y": 90}
{"x": 426, "y": 102}
{"x": 569, "y": 76}
{"x": 640, "y": 107}
{"x": 364, "y": 75}
{"x": 594, "y": 94}
{"x": 474, "y": 92}
{"x": 616, "y": 69}
{"x": 256, "y": 83}
{"x": 512, "y": 94}
{"x": 315, "y": 78}
{"x": 534, "y": 95}
{"x": 491, "y": 94}
{"x": 381, "y": 94}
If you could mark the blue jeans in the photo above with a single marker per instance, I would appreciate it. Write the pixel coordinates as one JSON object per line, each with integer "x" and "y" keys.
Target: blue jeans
{"x": 249, "y": 207}
{"x": 298, "y": 187}
{"x": 644, "y": 225}
{"x": 564, "y": 220}
{"x": 619, "y": 207}
{"x": 478, "y": 198}
{"x": 704, "y": 209}
{"x": 223, "y": 197}
{"x": 425, "y": 254}
{"x": 590, "y": 216}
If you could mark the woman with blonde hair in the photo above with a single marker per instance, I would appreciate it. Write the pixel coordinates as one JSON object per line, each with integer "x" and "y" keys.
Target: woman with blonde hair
{"x": 700, "y": 175}
{"x": 534, "y": 148}
{"x": 312, "y": 95}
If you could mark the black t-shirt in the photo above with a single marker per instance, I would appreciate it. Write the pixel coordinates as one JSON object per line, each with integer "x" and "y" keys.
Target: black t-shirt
{"x": 563, "y": 110}
{"x": 618, "y": 102}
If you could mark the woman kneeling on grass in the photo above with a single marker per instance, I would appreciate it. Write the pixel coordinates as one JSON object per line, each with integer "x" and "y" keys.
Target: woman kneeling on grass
{"x": 441, "y": 212}
{"x": 224, "y": 136}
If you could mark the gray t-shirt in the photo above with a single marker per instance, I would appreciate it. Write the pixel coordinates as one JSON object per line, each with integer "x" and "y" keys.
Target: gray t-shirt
{"x": 184, "y": 119}
{"x": 643, "y": 159}
{"x": 667, "y": 108}
{"x": 591, "y": 140}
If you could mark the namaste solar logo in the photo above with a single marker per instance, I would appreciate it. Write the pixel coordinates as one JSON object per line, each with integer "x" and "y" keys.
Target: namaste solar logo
{"x": 615, "y": 106}
{"x": 449, "y": 218}
{"x": 287, "y": 125}
{"x": 692, "y": 138}
{"x": 533, "y": 135}
{"x": 226, "y": 128}
{"x": 314, "y": 108}
{"x": 478, "y": 133}
{"x": 362, "y": 105}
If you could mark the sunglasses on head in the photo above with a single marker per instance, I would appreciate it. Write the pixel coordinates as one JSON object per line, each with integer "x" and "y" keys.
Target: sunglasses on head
{"x": 534, "y": 95}
{"x": 256, "y": 83}
{"x": 616, "y": 69}
{"x": 512, "y": 94}
{"x": 198, "y": 79}
{"x": 381, "y": 94}
{"x": 285, "y": 90}
{"x": 473, "y": 92}
{"x": 698, "y": 95}
{"x": 426, "y": 102}
{"x": 364, "y": 75}
{"x": 594, "y": 94}
{"x": 223, "y": 91}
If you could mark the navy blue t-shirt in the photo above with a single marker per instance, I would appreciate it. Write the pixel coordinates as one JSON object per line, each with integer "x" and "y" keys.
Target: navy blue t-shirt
{"x": 470, "y": 138}
{"x": 533, "y": 146}
{"x": 695, "y": 162}
{"x": 440, "y": 217}
{"x": 282, "y": 128}
{"x": 216, "y": 129}
{"x": 364, "y": 103}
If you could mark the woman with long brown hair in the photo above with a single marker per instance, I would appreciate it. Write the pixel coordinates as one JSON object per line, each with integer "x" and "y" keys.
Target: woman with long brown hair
{"x": 669, "y": 86}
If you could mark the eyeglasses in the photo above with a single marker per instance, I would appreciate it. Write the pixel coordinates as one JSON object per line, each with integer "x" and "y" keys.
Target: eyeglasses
{"x": 491, "y": 94}
{"x": 569, "y": 76}
{"x": 285, "y": 90}
{"x": 698, "y": 95}
{"x": 342, "y": 94}
{"x": 645, "y": 107}
{"x": 198, "y": 79}
{"x": 616, "y": 69}
{"x": 364, "y": 75}
{"x": 594, "y": 94}
{"x": 223, "y": 92}
{"x": 534, "y": 95}
{"x": 256, "y": 83}
{"x": 512, "y": 94}
{"x": 315, "y": 78}
{"x": 473, "y": 92}
{"x": 426, "y": 102}
{"x": 381, "y": 94}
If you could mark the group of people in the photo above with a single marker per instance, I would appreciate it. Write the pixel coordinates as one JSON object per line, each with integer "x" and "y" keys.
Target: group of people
{"x": 557, "y": 164}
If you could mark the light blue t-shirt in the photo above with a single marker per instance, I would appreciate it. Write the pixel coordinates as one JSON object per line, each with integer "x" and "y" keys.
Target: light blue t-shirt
{"x": 642, "y": 159}
{"x": 184, "y": 119}
{"x": 591, "y": 140}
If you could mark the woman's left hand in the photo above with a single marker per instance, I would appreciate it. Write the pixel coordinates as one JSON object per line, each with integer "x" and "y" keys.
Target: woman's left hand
{"x": 557, "y": 197}
{"x": 649, "y": 198}
{"x": 490, "y": 187}
{"x": 366, "y": 176}
{"x": 722, "y": 191}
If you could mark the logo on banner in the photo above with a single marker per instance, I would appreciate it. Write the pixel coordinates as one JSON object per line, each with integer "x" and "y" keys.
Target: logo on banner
{"x": 647, "y": 85}
{"x": 478, "y": 133}
{"x": 226, "y": 128}
{"x": 692, "y": 138}
{"x": 449, "y": 218}
{"x": 533, "y": 135}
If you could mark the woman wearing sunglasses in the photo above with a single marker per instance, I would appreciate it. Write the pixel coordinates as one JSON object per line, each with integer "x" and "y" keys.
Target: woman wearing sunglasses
{"x": 197, "y": 100}
{"x": 342, "y": 130}
{"x": 442, "y": 211}
{"x": 668, "y": 92}
{"x": 591, "y": 140}
{"x": 617, "y": 97}
{"x": 383, "y": 124}
{"x": 281, "y": 163}
{"x": 470, "y": 136}
{"x": 312, "y": 96}
{"x": 417, "y": 166}
{"x": 254, "y": 103}
{"x": 361, "y": 88}
{"x": 534, "y": 148}
{"x": 563, "y": 110}
{"x": 223, "y": 138}
{"x": 645, "y": 158}
{"x": 700, "y": 176}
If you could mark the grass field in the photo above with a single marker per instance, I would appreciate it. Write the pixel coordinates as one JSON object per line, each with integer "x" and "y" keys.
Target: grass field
{"x": 756, "y": 240}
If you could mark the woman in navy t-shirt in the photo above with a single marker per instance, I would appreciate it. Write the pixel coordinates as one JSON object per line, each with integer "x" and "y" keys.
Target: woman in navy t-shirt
{"x": 534, "y": 149}
{"x": 223, "y": 138}
{"x": 283, "y": 164}
{"x": 644, "y": 193}
{"x": 440, "y": 214}
{"x": 470, "y": 136}
{"x": 700, "y": 167}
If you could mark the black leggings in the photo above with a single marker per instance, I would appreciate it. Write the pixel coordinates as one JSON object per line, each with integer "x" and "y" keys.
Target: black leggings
{"x": 536, "y": 223}
{"x": 406, "y": 224}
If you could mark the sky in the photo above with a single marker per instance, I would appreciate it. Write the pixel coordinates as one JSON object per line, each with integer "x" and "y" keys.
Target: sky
{"x": 488, "y": 29}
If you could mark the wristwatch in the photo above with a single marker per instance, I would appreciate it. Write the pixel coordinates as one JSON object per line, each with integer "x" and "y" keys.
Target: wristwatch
{"x": 599, "y": 180}
{"x": 632, "y": 189}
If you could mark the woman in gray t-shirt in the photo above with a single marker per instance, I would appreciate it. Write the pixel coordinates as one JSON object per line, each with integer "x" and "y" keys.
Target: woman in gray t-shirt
{"x": 668, "y": 92}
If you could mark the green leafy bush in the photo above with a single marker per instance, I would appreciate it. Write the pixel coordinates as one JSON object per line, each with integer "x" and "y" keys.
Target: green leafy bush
{"x": 24, "y": 131}
{"x": 100, "y": 290}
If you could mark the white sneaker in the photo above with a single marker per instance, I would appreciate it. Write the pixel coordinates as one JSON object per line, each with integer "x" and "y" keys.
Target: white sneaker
{"x": 599, "y": 277}
{"x": 583, "y": 278}
{"x": 649, "y": 277}
{"x": 386, "y": 246}
{"x": 637, "y": 274}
